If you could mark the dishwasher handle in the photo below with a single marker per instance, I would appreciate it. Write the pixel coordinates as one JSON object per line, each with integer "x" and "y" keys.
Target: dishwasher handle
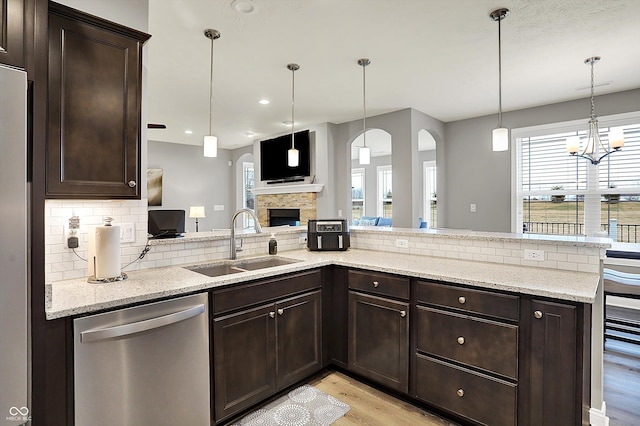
{"x": 137, "y": 327}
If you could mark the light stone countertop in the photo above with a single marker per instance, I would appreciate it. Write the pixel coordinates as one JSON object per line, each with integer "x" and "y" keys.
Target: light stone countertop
{"x": 77, "y": 297}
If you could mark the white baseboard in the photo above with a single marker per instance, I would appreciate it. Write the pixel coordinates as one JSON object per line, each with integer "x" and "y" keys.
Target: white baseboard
{"x": 598, "y": 417}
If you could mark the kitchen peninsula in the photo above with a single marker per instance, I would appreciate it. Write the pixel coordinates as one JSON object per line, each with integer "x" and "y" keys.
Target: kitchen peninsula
{"x": 516, "y": 326}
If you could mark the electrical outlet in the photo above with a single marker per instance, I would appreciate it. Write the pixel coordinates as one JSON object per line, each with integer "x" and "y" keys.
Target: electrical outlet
{"x": 127, "y": 233}
{"x": 402, "y": 243}
{"x": 302, "y": 238}
{"x": 534, "y": 255}
{"x": 473, "y": 207}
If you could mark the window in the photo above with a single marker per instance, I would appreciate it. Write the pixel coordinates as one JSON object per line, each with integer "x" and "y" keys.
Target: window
{"x": 430, "y": 194}
{"x": 560, "y": 194}
{"x": 248, "y": 199}
{"x": 357, "y": 193}
{"x": 385, "y": 204}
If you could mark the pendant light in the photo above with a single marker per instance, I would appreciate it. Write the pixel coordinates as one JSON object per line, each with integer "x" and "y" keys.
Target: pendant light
{"x": 592, "y": 148}
{"x": 293, "y": 155}
{"x": 364, "y": 153}
{"x": 210, "y": 141}
{"x": 500, "y": 135}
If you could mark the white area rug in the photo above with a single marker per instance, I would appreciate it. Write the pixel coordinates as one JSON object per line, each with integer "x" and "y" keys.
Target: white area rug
{"x": 305, "y": 405}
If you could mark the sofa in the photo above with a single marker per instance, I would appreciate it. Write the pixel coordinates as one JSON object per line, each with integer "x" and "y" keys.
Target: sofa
{"x": 372, "y": 221}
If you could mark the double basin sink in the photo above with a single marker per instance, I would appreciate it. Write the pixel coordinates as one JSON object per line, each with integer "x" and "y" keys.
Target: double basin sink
{"x": 236, "y": 266}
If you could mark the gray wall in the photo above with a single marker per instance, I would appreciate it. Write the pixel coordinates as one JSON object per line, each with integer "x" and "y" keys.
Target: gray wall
{"x": 403, "y": 126}
{"x": 190, "y": 179}
{"x": 475, "y": 174}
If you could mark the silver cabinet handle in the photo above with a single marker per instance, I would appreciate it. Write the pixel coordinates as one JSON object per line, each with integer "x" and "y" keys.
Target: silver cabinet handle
{"x": 460, "y": 392}
{"x": 137, "y": 327}
{"x": 376, "y": 284}
{"x": 272, "y": 314}
{"x": 538, "y": 314}
{"x": 280, "y": 311}
{"x": 132, "y": 184}
{"x": 403, "y": 314}
{"x": 461, "y": 340}
{"x": 462, "y": 300}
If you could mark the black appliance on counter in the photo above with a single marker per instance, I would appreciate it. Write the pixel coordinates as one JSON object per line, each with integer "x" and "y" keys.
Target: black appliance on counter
{"x": 328, "y": 234}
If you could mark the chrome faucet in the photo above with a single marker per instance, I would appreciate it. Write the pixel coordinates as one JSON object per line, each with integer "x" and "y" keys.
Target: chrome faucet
{"x": 256, "y": 226}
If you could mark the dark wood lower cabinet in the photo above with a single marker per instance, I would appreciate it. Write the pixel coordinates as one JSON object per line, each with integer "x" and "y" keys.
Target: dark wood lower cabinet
{"x": 554, "y": 365}
{"x": 379, "y": 339}
{"x": 261, "y": 350}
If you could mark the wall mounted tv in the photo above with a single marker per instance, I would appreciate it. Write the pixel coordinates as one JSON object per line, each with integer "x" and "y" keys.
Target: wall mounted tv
{"x": 273, "y": 158}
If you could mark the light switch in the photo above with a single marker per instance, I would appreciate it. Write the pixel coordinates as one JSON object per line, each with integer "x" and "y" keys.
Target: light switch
{"x": 472, "y": 207}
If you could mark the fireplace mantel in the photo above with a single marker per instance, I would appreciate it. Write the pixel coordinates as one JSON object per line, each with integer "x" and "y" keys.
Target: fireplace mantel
{"x": 288, "y": 189}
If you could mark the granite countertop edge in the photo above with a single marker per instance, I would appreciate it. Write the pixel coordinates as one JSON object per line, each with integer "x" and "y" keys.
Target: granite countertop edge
{"x": 78, "y": 297}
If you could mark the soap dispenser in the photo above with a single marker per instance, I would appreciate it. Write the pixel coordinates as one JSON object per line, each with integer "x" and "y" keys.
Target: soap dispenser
{"x": 273, "y": 244}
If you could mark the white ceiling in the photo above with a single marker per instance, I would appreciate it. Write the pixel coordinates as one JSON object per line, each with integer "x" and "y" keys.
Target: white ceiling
{"x": 437, "y": 56}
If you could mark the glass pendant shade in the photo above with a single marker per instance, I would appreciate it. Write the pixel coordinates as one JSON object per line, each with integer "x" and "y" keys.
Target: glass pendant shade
{"x": 616, "y": 138}
{"x": 500, "y": 139}
{"x": 293, "y": 157}
{"x": 210, "y": 146}
{"x": 364, "y": 155}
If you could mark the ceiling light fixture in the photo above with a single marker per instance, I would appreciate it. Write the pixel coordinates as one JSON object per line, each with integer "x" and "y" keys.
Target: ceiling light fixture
{"x": 188, "y": 132}
{"x": 500, "y": 135}
{"x": 364, "y": 153}
{"x": 594, "y": 143}
{"x": 210, "y": 141}
{"x": 264, "y": 102}
{"x": 293, "y": 156}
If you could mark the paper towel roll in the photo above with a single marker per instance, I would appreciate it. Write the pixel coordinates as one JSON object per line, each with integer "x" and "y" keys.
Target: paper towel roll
{"x": 91, "y": 256}
{"x": 107, "y": 252}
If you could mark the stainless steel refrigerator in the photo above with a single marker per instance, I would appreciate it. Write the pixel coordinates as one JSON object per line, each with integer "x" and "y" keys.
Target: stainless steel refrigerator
{"x": 14, "y": 248}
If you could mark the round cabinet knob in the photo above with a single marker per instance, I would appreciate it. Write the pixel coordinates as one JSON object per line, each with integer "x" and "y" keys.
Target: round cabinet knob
{"x": 280, "y": 311}
{"x": 376, "y": 284}
{"x": 538, "y": 314}
{"x": 132, "y": 184}
{"x": 461, "y": 340}
{"x": 272, "y": 314}
{"x": 462, "y": 300}
{"x": 403, "y": 314}
{"x": 460, "y": 392}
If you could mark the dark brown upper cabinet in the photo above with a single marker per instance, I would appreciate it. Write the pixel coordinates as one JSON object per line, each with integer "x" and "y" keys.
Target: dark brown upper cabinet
{"x": 94, "y": 97}
{"x": 12, "y": 32}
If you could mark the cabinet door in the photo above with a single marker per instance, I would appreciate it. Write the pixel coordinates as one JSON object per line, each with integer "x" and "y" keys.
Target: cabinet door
{"x": 299, "y": 338}
{"x": 12, "y": 32}
{"x": 244, "y": 359}
{"x": 93, "y": 129}
{"x": 379, "y": 339}
{"x": 552, "y": 372}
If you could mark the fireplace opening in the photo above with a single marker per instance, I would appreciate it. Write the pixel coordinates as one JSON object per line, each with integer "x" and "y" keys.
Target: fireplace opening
{"x": 279, "y": 217}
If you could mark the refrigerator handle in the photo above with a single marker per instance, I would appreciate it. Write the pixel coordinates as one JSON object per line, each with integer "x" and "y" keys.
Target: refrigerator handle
{"x": 137, "y": 327}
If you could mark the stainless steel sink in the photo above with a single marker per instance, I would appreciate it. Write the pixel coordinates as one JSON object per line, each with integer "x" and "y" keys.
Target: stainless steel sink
{"x": 269, "y": 262}
{"x": 234, "y": 267}
{"x": 216, "y": 270}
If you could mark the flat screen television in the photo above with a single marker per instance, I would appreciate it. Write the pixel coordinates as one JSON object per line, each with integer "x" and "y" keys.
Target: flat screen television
{"x": 273, "y": 158}
{"x": 166, "y": 223}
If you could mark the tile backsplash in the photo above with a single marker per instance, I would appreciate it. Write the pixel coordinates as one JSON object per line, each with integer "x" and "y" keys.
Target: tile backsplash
{"x": 61, "y": 263}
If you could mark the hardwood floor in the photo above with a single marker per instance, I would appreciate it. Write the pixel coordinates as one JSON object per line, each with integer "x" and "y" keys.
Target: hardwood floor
{"x": 622, "y": 378}
{"x": 372, "y": 407}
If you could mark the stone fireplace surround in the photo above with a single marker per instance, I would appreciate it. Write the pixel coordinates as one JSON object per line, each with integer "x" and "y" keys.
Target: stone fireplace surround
{"x": 301, "y": 197}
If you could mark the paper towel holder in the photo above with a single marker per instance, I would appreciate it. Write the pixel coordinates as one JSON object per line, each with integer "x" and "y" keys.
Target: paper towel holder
{"x": 92, "y": 278}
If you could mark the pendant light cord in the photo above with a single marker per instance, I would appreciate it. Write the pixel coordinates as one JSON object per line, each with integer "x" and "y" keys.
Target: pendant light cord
{"x": 499, "y": 75}
{"x": 364, "y": 104}
{"x": 293, "y": 99}
{"x": 211, "y": 90}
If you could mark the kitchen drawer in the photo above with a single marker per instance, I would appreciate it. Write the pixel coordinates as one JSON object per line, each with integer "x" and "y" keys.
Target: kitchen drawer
{"x": 228, "y": 299}
{"x": 380, "y": 284}
{"x": 475, "y": 396}
{"x": 477, "y": 342}
{"x": 482, "y": 302}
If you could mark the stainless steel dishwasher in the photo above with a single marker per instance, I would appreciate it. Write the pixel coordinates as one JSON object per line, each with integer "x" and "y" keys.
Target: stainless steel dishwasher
{"x": 145, "y": 365}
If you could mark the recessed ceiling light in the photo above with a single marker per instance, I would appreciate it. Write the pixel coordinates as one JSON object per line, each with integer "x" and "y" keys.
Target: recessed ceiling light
{"x": 264, "y": 102}
{"x": 245, "y": 7}
{"x": 287, "y": 123}
{"x": 250, "y": 134}
{"x": 188, "y": 132}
